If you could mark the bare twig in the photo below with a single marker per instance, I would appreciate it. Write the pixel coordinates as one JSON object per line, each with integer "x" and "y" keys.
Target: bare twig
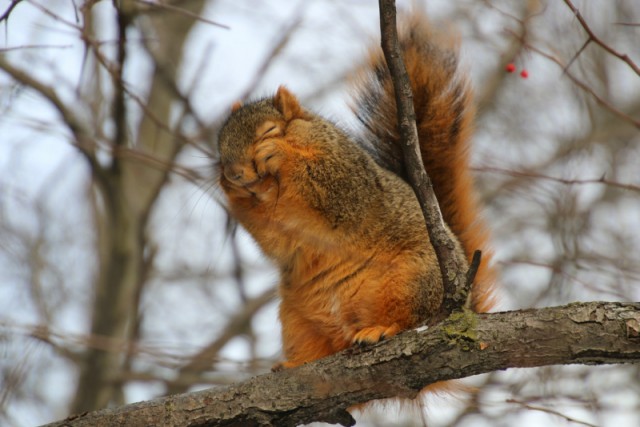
{"x": 189, "y": 373}
{"x": 473, "y": 268}
{"x": 35, "y": 46}
{"x": 285, "y": 36}
{"x": 593, "y": 38}
{"x": 456, "y": 288}
{"x": 523, "y": 174}
{"x": 7, "y": 13}
{"x": 582, "y": 85}
{"x": 83, "y": 139}
{"x": 550, "y": 411}
{"x": 182, "y": 11}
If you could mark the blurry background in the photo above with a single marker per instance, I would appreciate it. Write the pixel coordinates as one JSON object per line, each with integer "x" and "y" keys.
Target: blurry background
{"x": 121, "y": 277}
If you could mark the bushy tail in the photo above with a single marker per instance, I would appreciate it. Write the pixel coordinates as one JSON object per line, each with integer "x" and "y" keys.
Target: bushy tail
{"x": 444, "y": 115}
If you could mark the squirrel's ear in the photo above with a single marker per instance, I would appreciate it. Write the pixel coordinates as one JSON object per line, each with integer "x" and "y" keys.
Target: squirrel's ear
{"x": 236, "y": 106}
{"x": 288, "y": 104}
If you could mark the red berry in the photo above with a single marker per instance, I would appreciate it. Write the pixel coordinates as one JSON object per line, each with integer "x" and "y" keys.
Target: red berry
{"x": 524, "y": 74}
{"x": 510, "y": 68}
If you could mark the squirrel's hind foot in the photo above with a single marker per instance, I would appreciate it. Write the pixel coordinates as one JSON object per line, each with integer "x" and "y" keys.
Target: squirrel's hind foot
{"x": 373, "y": 334}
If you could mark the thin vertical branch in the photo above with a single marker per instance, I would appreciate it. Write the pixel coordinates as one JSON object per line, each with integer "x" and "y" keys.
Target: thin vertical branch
{"x": 454, "y": 278}
{"x": 119, "y": 102}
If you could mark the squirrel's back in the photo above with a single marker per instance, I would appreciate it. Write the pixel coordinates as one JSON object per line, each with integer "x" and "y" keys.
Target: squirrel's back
{"x": 444, "y": 117}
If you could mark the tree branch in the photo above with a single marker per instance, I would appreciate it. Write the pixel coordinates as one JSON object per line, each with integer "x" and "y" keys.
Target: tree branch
{"x": 454, "y": 276}
{"x": 582, "y": 85}
{"x": 7, "y": 13}
{"x": 593, "y": 38}
{"x": 581, "y": 333}
{"x": 190, "y": 372}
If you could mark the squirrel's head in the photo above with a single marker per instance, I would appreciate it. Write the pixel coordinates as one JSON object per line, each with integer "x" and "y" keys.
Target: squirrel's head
{"x": 249, "y": 124}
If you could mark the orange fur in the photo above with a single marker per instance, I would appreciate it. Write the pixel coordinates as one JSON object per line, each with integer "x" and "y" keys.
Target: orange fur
{"x": 344, "y": 228}
{"x": 337, "y": 289}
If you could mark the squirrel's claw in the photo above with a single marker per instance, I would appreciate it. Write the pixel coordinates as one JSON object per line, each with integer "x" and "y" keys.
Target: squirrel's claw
{"x": 267, "y": 158}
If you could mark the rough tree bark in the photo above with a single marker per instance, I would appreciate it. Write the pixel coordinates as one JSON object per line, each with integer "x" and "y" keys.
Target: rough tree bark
{"x": 465, "y": 344}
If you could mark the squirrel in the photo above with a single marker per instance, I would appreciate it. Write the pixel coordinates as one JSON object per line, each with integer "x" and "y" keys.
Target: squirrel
{"x": 334, "y": 211}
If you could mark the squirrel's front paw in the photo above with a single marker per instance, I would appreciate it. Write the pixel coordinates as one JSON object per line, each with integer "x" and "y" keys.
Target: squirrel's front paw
{"x": 268, "y": 158}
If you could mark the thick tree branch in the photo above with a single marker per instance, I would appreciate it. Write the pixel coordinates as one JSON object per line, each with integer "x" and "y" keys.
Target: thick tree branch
{"x": 469, "y": 344}
{"x": 454, "y": 277}
{"x": 123, "y": 236}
